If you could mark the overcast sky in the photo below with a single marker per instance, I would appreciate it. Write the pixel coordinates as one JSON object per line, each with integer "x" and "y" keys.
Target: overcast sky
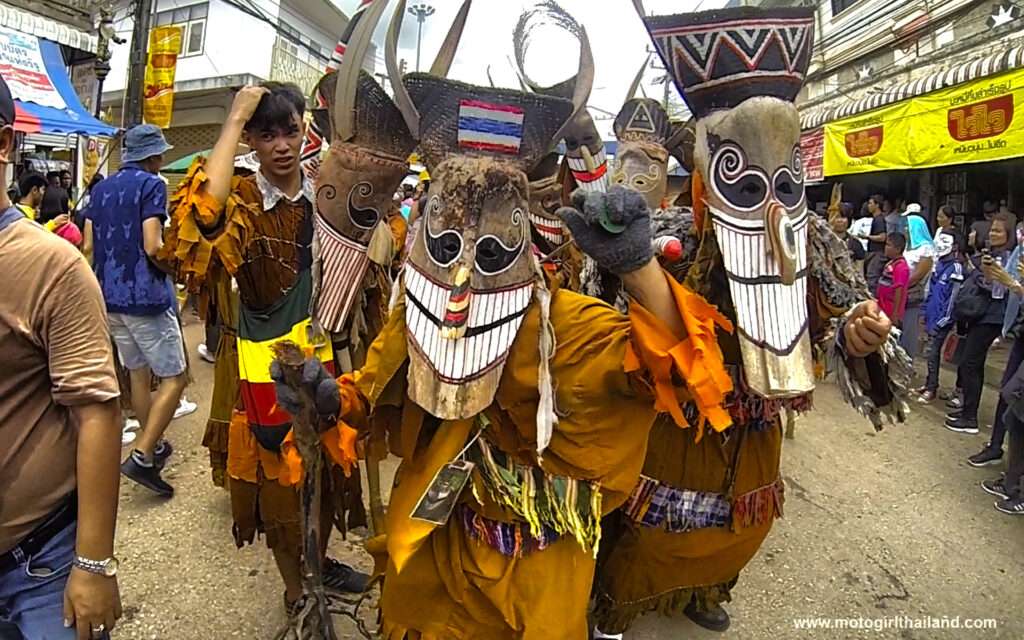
{"x": 617, "y": 37}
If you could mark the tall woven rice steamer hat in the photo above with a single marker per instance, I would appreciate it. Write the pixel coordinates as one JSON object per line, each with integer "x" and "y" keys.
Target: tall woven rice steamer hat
{"x": 431, "y": 104}
{"x": 720, "y": 58}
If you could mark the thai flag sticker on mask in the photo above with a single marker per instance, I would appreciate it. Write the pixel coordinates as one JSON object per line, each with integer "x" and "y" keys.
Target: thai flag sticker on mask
{"x": 496, "y": 128}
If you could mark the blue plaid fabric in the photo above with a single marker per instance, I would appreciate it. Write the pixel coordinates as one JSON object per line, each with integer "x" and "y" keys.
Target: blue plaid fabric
{"x": 657, "y": 505}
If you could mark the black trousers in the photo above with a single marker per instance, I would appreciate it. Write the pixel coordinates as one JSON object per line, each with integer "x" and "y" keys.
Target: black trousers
{"x": 935, "y": 358}
{"x": 1015, "y": 455}
{"x": 999, "y": 424}
{"x": 971, "y": 372}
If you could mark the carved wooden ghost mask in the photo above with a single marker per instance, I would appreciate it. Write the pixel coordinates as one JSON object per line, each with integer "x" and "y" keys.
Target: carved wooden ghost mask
{"x": 739, "y": 70}
{"x": 641, "y": 162}
{"x": 471, "y": 274}
{"x": 364, "y": 165}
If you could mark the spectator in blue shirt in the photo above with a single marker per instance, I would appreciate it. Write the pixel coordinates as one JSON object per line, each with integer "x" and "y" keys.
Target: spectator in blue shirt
{"x": 124, "y": 228}
{"x": 946, "y": 278}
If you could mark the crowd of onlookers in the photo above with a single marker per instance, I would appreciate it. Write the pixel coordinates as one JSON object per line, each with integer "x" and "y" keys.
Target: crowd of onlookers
{"x": 960, "y": 291}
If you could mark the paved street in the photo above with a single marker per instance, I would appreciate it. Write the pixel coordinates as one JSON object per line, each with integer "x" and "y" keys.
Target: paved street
{"x": 876, "y": 526}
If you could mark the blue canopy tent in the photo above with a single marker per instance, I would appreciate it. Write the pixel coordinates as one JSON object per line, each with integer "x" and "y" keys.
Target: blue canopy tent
{"x": 31, "y": 117}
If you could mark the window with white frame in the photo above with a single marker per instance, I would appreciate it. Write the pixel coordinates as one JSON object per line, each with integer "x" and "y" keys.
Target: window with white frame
{"x": 192, "y": 20}
{"x": 300, "y": 46}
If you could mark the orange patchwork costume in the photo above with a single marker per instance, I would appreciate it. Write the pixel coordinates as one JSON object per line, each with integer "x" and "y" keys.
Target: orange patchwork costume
{"x": 264, "y": 240}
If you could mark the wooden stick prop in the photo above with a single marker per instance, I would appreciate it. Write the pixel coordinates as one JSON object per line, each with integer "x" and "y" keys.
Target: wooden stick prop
{"x": 314, "y": 621}
{"x": 373, "y": 486}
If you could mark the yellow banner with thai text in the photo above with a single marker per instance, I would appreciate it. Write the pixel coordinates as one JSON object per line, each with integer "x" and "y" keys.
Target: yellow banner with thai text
{"x": 158, "y": 96}
{"x": 972, "y": 122}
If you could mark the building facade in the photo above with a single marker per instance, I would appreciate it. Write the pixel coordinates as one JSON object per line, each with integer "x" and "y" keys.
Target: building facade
{"x": 890, "y": 82}
{"x": 227, "y": 44}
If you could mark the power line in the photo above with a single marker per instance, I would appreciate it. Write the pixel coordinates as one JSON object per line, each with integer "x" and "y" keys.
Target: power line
{"x": 259, "y": 15}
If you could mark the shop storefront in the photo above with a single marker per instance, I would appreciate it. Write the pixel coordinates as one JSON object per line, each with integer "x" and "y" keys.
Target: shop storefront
{"x": 954, "y": 137}
{"x": 55, "y": 132}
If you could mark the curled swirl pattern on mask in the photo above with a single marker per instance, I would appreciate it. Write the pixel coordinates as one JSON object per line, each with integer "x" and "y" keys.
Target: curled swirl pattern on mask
{"x": 364, "y": 218}
{"x": 494, "y": 256}
{"x": 737, "y": 183}
{"x": 327, "y": 192}
{"x": 445, "y": 247}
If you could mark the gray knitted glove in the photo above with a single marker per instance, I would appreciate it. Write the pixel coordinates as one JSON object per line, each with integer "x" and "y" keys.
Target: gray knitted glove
{"x": 320, "y": 384}
{"x": 613, "y": 228}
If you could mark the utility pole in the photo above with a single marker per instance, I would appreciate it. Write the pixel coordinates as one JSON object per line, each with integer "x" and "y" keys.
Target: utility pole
{"x": 137, "y": 70}
{"x": 422, "y": 11}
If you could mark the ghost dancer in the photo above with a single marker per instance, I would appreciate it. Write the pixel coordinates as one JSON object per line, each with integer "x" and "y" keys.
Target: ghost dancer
{"x": 708, "y": 496}
{"x": 510, "y": 392}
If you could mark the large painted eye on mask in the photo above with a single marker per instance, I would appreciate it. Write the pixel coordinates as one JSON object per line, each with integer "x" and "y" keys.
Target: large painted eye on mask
{"x": 364, "y": 218}
{"x": 744, "y": 187}
{"x": 494, "y": 256}
{"x": 444, "y": 248}
{"x": 649, "y": 181}
{"x": 788, "y": 183}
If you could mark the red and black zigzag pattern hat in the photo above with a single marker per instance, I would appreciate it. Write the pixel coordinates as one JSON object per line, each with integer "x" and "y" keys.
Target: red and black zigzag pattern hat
{"x": 720, "y": 58}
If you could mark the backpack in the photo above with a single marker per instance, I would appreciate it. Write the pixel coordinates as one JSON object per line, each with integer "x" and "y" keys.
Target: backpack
{"x": 972, "y": 300}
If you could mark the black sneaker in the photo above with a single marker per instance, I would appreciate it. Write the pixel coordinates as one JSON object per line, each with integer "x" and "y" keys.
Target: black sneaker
{"x": 996, "y": 488}
{"x": 343, "y": 578}
{"x": 1011, "y": 506}
{"x": 148, "y": 477}
{"x": 161, "y": 453}
{"x": 962, "y": 425}
{"x": 987, "y": 456}
{"x": 954, "y": 403}
{"x": 955, "y": 415}
{"x": 714, "y": 618}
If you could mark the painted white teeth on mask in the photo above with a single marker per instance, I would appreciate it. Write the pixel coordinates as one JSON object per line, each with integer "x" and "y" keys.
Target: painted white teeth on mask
{"x": 769, "y": 313}
{"x": 465, "y": 358}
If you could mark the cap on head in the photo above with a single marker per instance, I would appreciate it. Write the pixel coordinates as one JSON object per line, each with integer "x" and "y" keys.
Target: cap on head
{"x": 144, "y": 141}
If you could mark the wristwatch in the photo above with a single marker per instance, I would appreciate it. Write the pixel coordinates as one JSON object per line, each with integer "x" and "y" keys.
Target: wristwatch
{"x": 106, "y": 567}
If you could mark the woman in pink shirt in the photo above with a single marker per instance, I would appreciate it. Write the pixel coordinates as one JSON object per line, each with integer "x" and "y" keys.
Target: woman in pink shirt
{"x": 892, "y": 286}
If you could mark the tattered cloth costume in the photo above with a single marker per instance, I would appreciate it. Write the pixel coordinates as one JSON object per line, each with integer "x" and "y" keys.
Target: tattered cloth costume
{"x": 223, "y": 303}
{"x": 264, "y": 240}
{"x": 481, "y": 360}
{"x": 707, "y": 498}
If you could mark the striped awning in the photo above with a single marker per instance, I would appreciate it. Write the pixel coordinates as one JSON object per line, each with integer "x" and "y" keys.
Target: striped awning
{"x": 37, "y": 25}
{"x": 1011, "y": 58}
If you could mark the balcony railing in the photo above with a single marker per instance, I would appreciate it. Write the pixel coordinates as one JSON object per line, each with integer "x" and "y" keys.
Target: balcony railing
{"x": 286, "y": 67}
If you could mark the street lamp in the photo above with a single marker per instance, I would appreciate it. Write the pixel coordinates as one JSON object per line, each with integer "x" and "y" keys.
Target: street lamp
{"x": 422, "y": 11}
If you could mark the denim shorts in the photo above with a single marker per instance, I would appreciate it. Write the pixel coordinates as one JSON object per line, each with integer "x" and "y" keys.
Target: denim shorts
{"x": 149, "y": 341}
{"x": 32, "y": 593}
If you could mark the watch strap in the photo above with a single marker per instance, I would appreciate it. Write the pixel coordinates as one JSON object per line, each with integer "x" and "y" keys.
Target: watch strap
{"x": 99, "y": 567}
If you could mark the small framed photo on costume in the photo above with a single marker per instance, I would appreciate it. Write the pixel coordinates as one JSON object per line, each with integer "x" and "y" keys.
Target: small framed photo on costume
{"x": 438, "y": 502}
